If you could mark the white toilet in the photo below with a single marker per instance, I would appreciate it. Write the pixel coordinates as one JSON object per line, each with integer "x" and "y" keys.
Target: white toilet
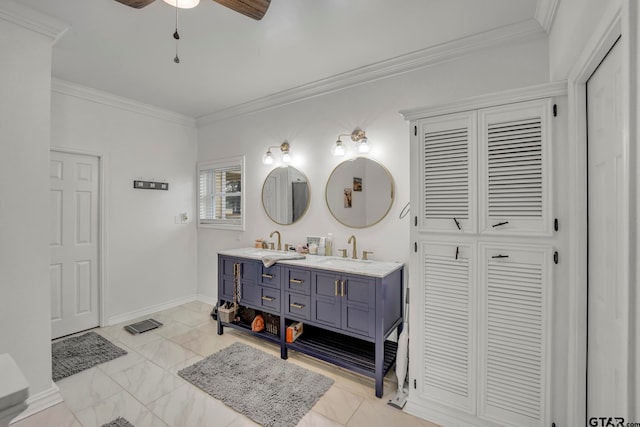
{"x": 14, "y": 390}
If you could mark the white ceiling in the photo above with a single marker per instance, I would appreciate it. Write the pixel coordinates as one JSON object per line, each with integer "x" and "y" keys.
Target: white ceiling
{"x": 228, "y": 59}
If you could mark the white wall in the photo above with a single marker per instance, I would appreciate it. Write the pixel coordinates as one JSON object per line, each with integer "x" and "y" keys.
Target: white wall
{"x": 312, "y": 126}
{"x": 572, "y": 28}
{"x": 25, "y": 78}
{"x": 150, "y": 260}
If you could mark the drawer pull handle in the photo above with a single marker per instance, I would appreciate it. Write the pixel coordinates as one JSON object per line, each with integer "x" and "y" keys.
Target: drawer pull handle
{"x": 268, "y": 299}
{"x": 298, "y": 306}
{"x": 337, "y": 281}
{"x": 298, "y": 281}
{"x": 267, "y": 276}
{"x": 500, "y": 223}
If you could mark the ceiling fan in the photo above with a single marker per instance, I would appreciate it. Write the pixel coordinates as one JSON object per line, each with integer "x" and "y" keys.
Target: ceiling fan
{"x": 252, "y": 8}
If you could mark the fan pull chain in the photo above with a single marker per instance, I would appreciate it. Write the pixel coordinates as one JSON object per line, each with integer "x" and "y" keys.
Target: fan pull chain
{"x": 176, "y": 36}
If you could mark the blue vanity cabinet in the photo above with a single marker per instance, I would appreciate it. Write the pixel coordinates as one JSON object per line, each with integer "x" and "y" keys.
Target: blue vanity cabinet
{"x": 347, "y": 317}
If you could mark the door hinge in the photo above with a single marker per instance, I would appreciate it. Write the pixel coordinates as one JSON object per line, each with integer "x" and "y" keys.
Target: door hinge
{"x": 555, "y": 224}
{"x": 415, "y": 130}
{"x": 415, "y": 246}
{"x": 555, "y": 257}
{"x": 415, "y": 383}
{"x": 553, "y": 424}
{"x": 555, "y": 110}
{"x": 415, "y": 221}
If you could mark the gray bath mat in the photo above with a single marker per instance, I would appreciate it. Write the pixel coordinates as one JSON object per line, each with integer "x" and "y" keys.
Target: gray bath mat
{"x": 269, "y": 390}
{"x": 76, "y": 354}
{"x": 118, "y": 422}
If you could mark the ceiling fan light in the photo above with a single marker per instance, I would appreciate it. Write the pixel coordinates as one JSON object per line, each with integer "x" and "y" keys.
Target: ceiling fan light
{"x": 183, "y": 4}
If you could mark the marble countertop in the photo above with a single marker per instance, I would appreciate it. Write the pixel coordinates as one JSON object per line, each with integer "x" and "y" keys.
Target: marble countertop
{"x": 372, "y": 268}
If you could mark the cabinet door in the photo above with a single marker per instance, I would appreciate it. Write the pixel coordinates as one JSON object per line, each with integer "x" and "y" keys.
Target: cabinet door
{"x": 514, "y": 165}
{"x": 446, "y": 173}
{"x": 250, "y": 293}
{"x": 358, "y": 304}
{"x": 515, "y": 288}
{"x": 446, "y": 353}
{"x": 325, "y": 298}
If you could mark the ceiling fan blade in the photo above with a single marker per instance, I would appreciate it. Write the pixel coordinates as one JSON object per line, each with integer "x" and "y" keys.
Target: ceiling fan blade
{"x": 252, "y": 8}
{"x": 138, "y": 4}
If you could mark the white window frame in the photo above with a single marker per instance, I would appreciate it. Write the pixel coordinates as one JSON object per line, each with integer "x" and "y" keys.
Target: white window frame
{"x": 222, "y": 223}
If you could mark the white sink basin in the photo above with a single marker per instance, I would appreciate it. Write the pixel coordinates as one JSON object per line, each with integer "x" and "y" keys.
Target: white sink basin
{"x": 344, "y": 262}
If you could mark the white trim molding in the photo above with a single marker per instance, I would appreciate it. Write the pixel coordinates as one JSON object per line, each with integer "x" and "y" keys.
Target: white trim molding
{"x": 526, "y": 30}
{"x": 31, "y": 19}
{"x": 82, "y": 92}
{"x": 546, "y": 12}
{"x": 149, "y": 310}
{"x": 545, "y": 90}
{"x": 41, "y": 401}
{"x": 604, "y": 35}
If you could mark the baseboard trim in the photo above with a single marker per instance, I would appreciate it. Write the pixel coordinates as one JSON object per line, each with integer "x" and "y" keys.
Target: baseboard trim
{"x": 148, "y": 310}
{"x": 41, "y": 401}
{"x": 207, "y": 299}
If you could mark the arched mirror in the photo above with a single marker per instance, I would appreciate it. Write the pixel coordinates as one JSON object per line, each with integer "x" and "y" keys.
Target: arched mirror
{"x": 285, "y": 195}
{"x": 359, "y": 192}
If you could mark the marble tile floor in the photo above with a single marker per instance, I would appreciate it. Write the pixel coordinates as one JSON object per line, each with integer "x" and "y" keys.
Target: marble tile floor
{"x": 144, "y": 387}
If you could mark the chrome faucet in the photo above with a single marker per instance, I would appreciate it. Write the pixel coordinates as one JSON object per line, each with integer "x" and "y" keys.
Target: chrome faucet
{"x": 278, "y": 233}
{"x": 352, "y": 239}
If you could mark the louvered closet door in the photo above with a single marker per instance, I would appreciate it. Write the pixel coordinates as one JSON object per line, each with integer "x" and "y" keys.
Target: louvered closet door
{"x": 515, "y": 286}
{"x": 514, "y": 166}
{"x": 448, "y": 328}
{"x": 447, "y": 152}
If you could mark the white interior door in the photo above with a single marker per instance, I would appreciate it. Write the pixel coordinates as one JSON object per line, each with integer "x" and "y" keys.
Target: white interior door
{"x": 607, "y": 316}
{"x": 74, "y": 243}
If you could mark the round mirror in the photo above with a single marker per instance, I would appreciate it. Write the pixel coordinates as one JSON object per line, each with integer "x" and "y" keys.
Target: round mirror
{"x": 285, "y": 195}
{"x": 359, "y": 192}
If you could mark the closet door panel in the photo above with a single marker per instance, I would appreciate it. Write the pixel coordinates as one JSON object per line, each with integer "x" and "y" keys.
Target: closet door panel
{"x": 448, "y": 329}
{"x": 515, "y": 286}
{"x": 514, "y": 168}
{"x": 447, "y": 171}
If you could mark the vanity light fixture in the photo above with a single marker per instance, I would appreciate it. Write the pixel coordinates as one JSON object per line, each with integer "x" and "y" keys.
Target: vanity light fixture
{"x": 358, "y": 137}
{"x": 285, "y": 148}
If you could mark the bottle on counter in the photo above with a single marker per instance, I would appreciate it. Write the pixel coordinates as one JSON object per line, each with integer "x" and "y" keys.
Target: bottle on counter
{"x": 328, "y": 245}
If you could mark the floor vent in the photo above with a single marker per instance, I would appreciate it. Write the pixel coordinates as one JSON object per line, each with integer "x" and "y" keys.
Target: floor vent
{"x": 144, "y": 326}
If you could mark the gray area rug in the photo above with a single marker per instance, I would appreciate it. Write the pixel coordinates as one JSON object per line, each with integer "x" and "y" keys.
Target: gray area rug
{"x": 85, "y": 351}
{"x": 118, "y": 422}
{"x": 269, "y": 390}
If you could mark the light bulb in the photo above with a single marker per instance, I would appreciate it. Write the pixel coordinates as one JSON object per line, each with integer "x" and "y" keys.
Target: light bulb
{"x": 286, "y": 157}
{"x": 364, "y": 146}
{"x": 268, "y": 158}
{"x": 338, "y": 149}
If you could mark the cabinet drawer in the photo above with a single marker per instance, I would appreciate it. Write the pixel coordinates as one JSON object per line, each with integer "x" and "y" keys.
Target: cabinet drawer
{"x": 269, "y": 276}
{"x": 297, "y": 306}
{"x": 298, "y": 280}
{"x": 270, "y": 298}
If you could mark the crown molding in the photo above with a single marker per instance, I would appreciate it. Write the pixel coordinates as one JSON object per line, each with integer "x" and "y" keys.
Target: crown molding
{"x": 31, "y": 19}
{"x": 82, "y": 92}
{"x": 529, "y": 29}
{"x": 545, "y": 90}
{"x": 546, "y": 13}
